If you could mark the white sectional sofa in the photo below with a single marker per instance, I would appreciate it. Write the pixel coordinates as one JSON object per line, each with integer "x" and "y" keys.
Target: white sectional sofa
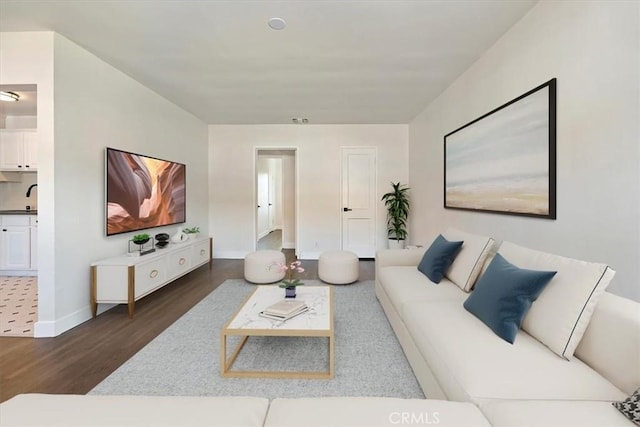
{"x": 578, "y": 351}
{"x": 40, "y": 410}
{"x": 455, "y": 356}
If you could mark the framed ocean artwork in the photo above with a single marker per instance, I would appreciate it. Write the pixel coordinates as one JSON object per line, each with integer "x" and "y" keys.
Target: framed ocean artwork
{"x": 505, "y": 161}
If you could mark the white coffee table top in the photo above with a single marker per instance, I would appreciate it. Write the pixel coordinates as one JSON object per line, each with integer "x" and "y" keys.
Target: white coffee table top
{"x": 319, "y": 316}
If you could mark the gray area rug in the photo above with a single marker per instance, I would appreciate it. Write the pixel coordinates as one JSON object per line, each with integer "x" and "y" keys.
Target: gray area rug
{"x": 185, "y": 358}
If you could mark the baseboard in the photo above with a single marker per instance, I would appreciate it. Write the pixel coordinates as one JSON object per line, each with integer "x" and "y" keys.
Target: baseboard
{"x": 44, "y": 329}
{"x": 230, "y": 254}
{"x": 311, "y": 255}
{"x": 288, "y": 245}
{"x": 59, "y": 326}
{"x": 30, "y": 273}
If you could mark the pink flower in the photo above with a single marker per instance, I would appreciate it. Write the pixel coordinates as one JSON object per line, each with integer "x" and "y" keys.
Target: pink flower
{"x": 300, "y": 270}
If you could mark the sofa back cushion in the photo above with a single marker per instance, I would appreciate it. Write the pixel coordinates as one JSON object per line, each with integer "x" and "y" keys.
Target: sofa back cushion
{"x": 611, "y": 343}
{"x": 466, "y": 268}
{"x": 561, "y": 314}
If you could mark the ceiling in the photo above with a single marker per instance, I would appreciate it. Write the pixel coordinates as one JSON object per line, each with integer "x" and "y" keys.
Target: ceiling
{"x": 335, "y": 62}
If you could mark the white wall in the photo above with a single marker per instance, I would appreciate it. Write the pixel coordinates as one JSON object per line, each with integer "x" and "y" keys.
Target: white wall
{"x": 232, "y": 203}
{"x": 27, "y": 58}
{"x": 98, "y": 106}
{"x": 593, "y": 49}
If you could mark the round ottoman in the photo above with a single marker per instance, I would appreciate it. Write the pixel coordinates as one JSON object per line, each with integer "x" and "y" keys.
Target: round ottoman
{"x": 259, "y": 268}
{"x": 338, "y": 267}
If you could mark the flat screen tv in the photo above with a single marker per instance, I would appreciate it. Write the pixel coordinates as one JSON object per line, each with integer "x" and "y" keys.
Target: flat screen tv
{"x": 143, "y": 192}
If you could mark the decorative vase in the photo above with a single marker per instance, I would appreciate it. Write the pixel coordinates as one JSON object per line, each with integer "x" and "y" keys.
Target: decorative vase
{"x": 290, "y": 292}
{"x": 179, "y": 237}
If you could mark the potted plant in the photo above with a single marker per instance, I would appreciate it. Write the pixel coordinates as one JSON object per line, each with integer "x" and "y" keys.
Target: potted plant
{"x": 191, "y": 232}
{"x": 141, "y": 239}
{"x": 289, "y": 283}
{"x": 397, "y": 204}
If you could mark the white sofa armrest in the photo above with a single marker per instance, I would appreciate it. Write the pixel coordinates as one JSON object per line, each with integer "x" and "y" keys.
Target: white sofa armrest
{"x": 399, "y": 257}
{"x": 611, "y": 343}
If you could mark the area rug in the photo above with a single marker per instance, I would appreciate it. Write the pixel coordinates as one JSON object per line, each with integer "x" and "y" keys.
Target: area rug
{"x": 185, "y": 360}
{"x": 18, "y": 306}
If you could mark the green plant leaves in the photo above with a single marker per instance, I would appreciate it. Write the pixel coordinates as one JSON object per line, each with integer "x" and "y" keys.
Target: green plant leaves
{"x": 397, "y": 204}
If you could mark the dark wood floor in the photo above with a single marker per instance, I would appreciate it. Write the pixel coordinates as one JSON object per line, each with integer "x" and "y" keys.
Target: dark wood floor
{"x": 76, "y": 361}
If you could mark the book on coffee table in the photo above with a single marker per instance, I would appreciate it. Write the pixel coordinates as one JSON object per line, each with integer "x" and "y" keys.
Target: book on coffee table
{"x": 284, "y": 310}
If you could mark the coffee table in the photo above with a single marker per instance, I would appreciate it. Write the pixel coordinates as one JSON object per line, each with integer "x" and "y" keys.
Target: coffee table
{"x": 246, "y": 322}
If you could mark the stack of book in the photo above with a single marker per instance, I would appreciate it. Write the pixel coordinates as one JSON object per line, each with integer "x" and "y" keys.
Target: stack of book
{"x": 284, "y": 310}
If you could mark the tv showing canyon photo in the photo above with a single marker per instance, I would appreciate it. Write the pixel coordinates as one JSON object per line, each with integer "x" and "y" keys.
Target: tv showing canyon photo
{"x": 143, "y": 192}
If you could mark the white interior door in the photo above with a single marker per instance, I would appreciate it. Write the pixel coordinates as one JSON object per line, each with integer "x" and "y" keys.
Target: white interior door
{"x": 262, "y": 170}
{"x": 359, "y": 201}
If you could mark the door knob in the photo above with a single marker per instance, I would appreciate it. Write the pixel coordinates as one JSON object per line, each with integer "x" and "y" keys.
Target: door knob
{"x": 346, "y": 209}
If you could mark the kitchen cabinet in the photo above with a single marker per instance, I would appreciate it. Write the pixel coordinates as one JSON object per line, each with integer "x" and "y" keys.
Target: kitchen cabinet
{"x": 15, "y": 242}
{"x": 19, "y": 150}
{"x": 33, "y": 250}
{"x": 126, "y": 279}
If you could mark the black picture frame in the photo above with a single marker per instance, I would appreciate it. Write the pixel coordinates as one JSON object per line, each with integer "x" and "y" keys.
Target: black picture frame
{"x": 505, "y": 161}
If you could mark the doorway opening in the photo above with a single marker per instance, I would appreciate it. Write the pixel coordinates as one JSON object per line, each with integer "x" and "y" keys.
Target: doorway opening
{"x": 275, "y": 197}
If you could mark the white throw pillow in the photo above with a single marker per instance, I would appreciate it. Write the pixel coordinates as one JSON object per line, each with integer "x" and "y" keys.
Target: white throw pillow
{"x": 467, "y": 265}
{"x": 562, "y": 312}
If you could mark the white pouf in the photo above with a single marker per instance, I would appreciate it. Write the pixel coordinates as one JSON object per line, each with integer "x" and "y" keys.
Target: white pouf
{"x": 259, "y": 268}
{"x": 338, "y": 267}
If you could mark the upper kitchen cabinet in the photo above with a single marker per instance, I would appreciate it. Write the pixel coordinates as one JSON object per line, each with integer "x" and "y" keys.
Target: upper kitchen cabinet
{"x": 19, "y": 129}
{"x": 18, "y": 150}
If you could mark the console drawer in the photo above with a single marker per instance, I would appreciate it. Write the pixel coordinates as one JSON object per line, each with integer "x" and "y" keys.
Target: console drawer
{"x": 150, "y": 275}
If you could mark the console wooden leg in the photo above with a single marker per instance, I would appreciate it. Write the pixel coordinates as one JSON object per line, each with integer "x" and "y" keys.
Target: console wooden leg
{"x": 131, "y": 290}
{"x": 94, "y": 292}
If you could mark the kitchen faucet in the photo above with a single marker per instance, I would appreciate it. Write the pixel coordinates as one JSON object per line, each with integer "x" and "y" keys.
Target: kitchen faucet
{"x": 31, "y": 188}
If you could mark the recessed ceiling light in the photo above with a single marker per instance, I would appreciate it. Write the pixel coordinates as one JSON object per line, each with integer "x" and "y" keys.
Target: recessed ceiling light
{"x": 9, "y": 96}
{"x": 277, "y": 23}
{"x": 300, "y": 120}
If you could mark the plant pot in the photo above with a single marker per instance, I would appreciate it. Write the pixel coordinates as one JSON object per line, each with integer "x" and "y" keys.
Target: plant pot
{"x": 141, "y": 242}
{"x": 396, "y": 244}
{"x": 290, "y": 292}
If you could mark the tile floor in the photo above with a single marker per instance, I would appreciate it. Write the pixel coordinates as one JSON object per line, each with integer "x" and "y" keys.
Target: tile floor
{"x": 18, "y": 306}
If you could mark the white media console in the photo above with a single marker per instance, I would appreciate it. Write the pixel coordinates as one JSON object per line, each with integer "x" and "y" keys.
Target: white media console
{"x": 126, "y": 279}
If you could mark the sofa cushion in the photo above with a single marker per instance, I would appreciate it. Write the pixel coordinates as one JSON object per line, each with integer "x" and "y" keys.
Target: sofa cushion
{"x": 472, "y": 364}
{"x": 562, "y": 312}
{"x": 371, "y": 412}
{"x": 504, "y": 295}
{"x": 539, "y": 413}
{"x": 31, "y": 410}
{"x": 466, "y": 268}
{"x": 630, "y": 407}
{"x": 437, "y": 259}
{"x": 403, "y": 284}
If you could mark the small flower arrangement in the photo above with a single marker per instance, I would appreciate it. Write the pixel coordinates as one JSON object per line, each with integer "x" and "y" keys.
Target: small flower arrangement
{"x": 289, "y": 281}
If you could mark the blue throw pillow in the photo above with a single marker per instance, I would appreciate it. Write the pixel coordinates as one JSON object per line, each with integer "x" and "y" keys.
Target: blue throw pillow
{"x": 504, "y": 294}
{"x": 437, "y": 259}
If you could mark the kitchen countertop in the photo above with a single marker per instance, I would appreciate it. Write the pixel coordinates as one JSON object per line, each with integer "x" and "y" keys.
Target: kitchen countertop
{"x": 19, "y": 212}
